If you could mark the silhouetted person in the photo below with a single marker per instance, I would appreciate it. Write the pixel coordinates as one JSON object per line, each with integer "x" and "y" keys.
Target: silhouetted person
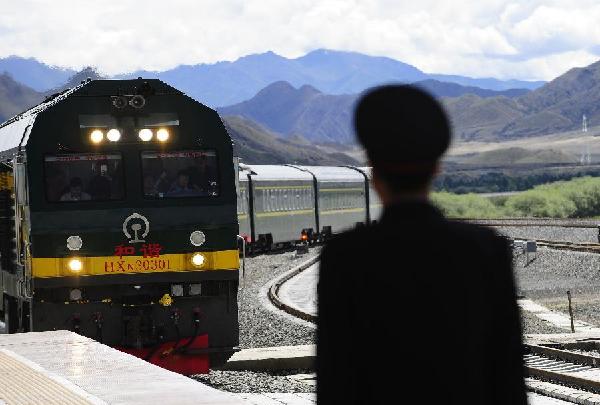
{"x": 100, "y": 185}
{"x": 201, "y": 175}
{"x": 56, "y": 183}
{"x": 415, "y": 309}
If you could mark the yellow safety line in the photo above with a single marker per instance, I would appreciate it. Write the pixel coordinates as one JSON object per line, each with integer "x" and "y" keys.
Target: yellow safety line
{"x": 22, "y": 385}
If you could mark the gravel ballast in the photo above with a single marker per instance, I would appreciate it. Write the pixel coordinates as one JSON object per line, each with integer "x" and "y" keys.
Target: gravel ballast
{"x": 553, "y": 233}
{"x": 263, "y": 325}
{"x": 551, "y": 273}
{"x": 254, "y": 382}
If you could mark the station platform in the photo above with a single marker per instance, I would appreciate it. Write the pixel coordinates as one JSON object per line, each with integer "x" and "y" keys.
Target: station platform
{"x": 65, "y": 368}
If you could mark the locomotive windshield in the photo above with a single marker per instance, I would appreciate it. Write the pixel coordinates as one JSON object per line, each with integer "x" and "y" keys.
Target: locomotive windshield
{"x": 180, "y": 174}
{"x": 84, "y": 177}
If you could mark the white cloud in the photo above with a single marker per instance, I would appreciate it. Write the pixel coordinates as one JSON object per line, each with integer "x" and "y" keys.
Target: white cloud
{"x": 531, "y": 39}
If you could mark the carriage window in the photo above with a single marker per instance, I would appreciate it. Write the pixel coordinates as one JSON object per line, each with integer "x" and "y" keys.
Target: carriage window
{"x": 84, "y": 177}
{"x": 180, "y": 174}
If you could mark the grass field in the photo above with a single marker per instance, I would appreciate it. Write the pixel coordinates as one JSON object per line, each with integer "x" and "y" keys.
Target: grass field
{"x": 578, "y": 198}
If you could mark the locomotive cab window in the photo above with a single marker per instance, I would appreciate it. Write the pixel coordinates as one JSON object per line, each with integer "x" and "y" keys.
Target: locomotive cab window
{"x": 84, "y": 177}
{"x": 180, "y": 174}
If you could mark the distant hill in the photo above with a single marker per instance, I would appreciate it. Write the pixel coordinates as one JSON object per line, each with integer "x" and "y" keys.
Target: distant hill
{"x": 255, "y": 144}
{"x": 305, "y": 111}
{"x": 325, "y": 118}
{"x": 34, "y": 74}
{"x": 518, "y": 156}
{"x": 488, "y": 83}
{"x": 331, "y": 72}
{"x": 15, "y": 97}
{"x": 448, "y": 89}
{"x": 555, "y": 107}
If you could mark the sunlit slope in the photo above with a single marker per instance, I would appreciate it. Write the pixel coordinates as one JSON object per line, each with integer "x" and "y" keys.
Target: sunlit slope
{"x": 15, "y": 97}
{"x": 254, "y": 144}
{"x": 520, "y": 156}
{"x": 555, "y": 107}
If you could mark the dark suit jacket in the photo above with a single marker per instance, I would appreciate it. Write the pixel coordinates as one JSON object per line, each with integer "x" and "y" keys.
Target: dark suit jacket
{"x": 418, "y": 310}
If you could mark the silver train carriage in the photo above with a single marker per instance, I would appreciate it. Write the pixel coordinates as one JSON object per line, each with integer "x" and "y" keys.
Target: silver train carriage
{"x": 281, "y": 204}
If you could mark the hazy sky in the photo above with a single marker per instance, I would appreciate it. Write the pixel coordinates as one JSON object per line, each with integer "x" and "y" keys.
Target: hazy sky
{"x": 526, "y": 39}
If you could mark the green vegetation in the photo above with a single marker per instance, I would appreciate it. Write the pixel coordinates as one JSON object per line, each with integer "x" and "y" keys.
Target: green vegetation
{"x": 510, "y": 179}
{"x": 578, "y": 198}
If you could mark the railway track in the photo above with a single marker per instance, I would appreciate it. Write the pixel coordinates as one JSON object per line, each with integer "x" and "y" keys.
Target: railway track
{"x": 589, "y": 247}
{"x": 564, "y": 367}
{"x": 275, "y": 298}
{"x": 537, "y": 222}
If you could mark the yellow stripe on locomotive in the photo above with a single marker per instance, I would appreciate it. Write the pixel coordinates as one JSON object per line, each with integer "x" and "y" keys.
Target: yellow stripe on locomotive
{"x": 44, "y": 267}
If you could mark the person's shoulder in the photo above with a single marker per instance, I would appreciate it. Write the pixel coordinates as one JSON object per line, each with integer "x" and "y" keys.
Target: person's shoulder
{"x": 344, "y": 239}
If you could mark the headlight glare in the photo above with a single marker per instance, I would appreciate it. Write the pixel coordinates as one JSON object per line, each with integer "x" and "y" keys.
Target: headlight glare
{"x": 113, "y": 135}
{"x": 162, "y": 135}
{"x": 145, "y": 134}
{"x": 96, "y": 136}
{"x": 75, "y": 265}
{"x": 198, "y": 259}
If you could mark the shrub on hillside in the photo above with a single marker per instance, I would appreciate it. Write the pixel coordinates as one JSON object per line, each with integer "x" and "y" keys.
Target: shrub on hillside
{"x": 465, "y": 206}
{"x": 576, "y": 198}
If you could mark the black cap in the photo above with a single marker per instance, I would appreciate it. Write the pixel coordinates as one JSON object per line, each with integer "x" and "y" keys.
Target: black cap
{"x": 402, "y": 128}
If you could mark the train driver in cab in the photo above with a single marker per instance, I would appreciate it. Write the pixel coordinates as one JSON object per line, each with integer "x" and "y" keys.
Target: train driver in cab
{"x": 75, "y": 192}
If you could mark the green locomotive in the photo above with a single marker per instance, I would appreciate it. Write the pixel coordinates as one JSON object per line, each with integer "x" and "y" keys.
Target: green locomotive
{"x": 118, "y": 220}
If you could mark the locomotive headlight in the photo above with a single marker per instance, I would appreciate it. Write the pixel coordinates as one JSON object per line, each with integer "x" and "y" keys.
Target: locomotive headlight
{"x": 74, "y": 242}
{"x": 197, "y": 238}
{"x": 198, "y": 259}
{"x": 145, "y": 134}
{"x": 75, "y": 265}
{"x": 96, "y": 136}
{"x": 113, "y": 135}
{"x": 162, "y": 135}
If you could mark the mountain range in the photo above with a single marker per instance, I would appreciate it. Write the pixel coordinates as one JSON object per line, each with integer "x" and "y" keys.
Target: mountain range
{"x": 289, "y": 116}
{"x": 476, "y": 114}
{"x": 327, "y": 118}
{"x": 555, "y": 107}
{"x": 331, "y": 72}
{"x": 227, "y": 83}
{"x": 35, "y": 74}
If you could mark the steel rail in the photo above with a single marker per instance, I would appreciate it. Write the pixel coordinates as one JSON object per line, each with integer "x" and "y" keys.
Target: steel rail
{"x": 562, "y": 366}
{"x": 273, "y": 291}
{"x": 537, "y": 222}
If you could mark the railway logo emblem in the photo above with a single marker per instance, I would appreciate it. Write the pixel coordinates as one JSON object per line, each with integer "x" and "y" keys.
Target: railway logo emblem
{"x": 139, "y": 225}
